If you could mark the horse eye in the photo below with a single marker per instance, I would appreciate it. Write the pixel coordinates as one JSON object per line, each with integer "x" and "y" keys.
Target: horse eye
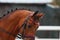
{"x": 29, "y": 26}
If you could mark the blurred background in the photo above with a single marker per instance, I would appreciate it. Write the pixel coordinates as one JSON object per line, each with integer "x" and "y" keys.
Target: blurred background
{"x": 56, "y": 2}
{"x": 51, "y": 11}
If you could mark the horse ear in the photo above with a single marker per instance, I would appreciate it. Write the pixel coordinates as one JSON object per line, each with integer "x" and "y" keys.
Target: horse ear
{"x": 35, "y": 13}
{"x": 40, "y": 15}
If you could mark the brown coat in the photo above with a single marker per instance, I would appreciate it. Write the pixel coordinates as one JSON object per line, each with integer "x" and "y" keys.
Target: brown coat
{"x": 10, "y": 24}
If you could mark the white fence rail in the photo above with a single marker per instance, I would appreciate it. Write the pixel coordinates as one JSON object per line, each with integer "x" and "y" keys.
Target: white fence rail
{"x": 36, "y": 38}
{"x": 46, "y": 28}
{"x": 42, "y": 39}
{"x": 49, "y": 28}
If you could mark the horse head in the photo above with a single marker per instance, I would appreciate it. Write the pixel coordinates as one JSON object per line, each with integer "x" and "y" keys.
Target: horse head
{"x": 10, "y": 25}
{"x": 31, "y": 25}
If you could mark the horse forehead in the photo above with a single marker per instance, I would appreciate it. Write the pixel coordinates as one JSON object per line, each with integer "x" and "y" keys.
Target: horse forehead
{"x": 25, "y": 13}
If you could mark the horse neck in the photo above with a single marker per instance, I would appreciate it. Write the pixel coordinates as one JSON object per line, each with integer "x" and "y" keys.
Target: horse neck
{"x": 9, "y": 20}
{"x": 13, "y": 21}
{"x": 9, "y": 24}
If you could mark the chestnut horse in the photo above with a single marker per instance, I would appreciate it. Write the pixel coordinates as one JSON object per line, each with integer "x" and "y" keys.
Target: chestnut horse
{"x": 24, "y": 22}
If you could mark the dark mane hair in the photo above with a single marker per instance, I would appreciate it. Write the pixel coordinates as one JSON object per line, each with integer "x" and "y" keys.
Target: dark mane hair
{"x": 9, "y": 12}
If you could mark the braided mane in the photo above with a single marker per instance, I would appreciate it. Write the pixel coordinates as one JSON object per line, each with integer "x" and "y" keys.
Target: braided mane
{"x": 9, "y": 12}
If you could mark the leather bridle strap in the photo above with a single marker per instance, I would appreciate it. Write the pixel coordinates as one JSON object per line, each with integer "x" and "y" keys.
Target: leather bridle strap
{"x": 30, "y": 37}
{"x": 3, "y": 30}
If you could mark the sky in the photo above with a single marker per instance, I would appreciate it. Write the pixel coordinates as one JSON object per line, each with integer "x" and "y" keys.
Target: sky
{"x": 26, "y": 1}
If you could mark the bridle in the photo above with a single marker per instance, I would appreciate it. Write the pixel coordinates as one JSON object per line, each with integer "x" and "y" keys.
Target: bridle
{"x": 3, "y": 30}
{"x": 24, "y": 27}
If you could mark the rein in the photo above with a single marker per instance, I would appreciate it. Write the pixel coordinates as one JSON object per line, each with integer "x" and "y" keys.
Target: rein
{"x": 22, "y": 36}
{"x": 3, "y": 30}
